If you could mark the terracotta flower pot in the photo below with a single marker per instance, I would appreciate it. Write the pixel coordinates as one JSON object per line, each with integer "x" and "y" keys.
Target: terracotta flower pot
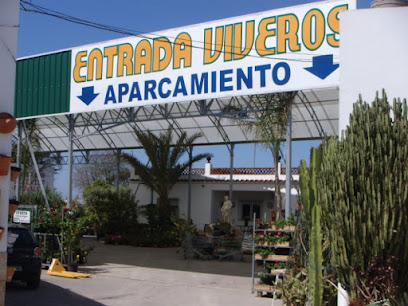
{"x": 7, "y": 123}
{"x": 262, "y": 287}
{"x": 15, "y": 171}
{"x": 5, "y": 162}
{"x": 278, "y": 257}
{"x": 13, "y": 206}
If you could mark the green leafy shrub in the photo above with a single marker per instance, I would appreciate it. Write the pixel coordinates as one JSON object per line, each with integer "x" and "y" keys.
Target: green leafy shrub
{"x": 221, "y": 229}
{"x": 117, "y": 213}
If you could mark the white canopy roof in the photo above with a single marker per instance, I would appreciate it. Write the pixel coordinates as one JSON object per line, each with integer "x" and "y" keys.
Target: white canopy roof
{"x": 314, "y": 113}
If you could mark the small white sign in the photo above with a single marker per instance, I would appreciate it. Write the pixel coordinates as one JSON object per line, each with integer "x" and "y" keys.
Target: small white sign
{"x": 22, "y": 216}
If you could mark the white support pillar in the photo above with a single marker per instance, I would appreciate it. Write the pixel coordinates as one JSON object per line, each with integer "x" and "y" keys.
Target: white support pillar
{"x": 9, "y": 15}
{"x": 231, "y": 170}
{"x": 35, "y": 164}
{"x": 190, "y": 156}
{"x": 288, "y": 164}
{"x": 70, "y": 156}
{"x": 18, "y": 158}
{"x": 118, "y": 152}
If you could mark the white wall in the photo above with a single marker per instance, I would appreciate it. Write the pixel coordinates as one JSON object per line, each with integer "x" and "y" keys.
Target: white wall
{"x": 207, "y": 196}
{"x": 9, "y": 14}
{"x": 373, "y": 56}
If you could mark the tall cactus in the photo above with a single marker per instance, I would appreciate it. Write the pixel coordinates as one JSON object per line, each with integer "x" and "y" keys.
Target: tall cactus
{"x": 311, "y": 208}
{"x": 364, "y": 192}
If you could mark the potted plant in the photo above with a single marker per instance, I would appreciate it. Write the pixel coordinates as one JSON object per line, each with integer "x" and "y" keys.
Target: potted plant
{"x": 15, "y": 171}
{"x": 263, "y": 253}
{"x": 286, "y": 225}
{"x": 13, "y": 206}
{"x": 277, "y": 267}
{"x": 270, "y": 238}
{"x": 5, "y": 162}
{"x": 259, "y": 239}
{"x": 262, "y": 224}
{"x": 283, "y": 240}
{"x": 7, "y": 123}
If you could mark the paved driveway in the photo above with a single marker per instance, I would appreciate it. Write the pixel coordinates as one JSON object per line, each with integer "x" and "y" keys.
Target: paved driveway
{"x": 124, "y": 275}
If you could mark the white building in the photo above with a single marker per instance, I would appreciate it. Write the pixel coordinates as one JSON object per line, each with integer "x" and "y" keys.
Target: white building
{"x": 253, "y": 191}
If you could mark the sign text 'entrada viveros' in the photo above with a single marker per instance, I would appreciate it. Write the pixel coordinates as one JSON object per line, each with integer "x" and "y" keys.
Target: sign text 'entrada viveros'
{"x": 287, "y": 49}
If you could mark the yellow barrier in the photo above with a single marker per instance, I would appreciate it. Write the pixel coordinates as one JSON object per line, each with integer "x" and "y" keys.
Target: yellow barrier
{"x": 57, "y": 269}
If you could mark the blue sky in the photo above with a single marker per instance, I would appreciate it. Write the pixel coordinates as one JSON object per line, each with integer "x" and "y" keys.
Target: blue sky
{"x": 40, "y": 34}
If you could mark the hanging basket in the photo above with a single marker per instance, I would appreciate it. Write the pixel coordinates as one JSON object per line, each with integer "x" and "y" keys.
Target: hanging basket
{"x": 15, "y": 171}
{"x": 13, "y": 206}
{"x": 7, "y": 123}
{"x": 5, "y": 162}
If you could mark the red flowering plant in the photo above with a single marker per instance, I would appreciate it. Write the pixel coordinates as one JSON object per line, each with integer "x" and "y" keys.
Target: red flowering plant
{"x": 277, "y": 265}
{"x": 261, "y": 223}
{"x": 68, "y": 223}
{"x": 259, "y": 238}
{"x": 49, "y": 220}
{"x": 270, "y": 238}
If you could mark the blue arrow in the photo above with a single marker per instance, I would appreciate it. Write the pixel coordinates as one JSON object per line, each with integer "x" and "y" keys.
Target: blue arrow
{"x": 88, "y": 95}
{"x": 322, "y": 66}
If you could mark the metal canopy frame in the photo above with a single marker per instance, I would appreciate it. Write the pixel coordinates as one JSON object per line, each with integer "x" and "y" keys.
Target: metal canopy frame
{"x": 313, "y": 115}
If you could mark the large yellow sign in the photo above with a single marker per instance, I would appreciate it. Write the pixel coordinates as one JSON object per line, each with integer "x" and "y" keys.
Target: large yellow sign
{"x": 287, "y": 49}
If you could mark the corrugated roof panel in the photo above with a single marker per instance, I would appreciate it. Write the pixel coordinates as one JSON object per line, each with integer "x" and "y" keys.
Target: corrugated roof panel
{"x": 43, "y": 85}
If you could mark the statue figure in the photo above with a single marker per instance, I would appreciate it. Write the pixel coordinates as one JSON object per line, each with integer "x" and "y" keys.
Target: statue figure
{"x": 226, "y": 210}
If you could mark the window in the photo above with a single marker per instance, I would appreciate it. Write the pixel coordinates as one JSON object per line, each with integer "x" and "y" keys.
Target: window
{"x": 174, "y": 207}
{"x": 248, "y": 208}
{"x": 23, "y": 237}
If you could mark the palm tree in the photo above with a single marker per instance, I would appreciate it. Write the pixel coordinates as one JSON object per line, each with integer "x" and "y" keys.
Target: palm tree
{"x": 269, "y": 125}
{"x": 165, "y": 166}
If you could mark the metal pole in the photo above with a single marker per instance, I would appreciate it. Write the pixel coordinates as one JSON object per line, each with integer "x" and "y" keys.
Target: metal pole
{"x": 190, "y": 156}
{"x": 288, "y": 164}
{"x": 117, "y": 169}
{"x": 253, "y": 252}
{"x": 37, "y": 170}
{"x": 70, "y": 166}
{"x": 18, "y": 160}
{"x": 70, "y": 156}
{"x": 231, "y": 170}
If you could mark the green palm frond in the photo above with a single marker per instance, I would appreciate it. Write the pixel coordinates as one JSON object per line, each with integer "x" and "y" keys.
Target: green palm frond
{"x": 164, "y": 154}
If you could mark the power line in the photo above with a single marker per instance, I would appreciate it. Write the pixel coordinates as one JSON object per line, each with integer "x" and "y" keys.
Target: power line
{"x": 52, "y": 13}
